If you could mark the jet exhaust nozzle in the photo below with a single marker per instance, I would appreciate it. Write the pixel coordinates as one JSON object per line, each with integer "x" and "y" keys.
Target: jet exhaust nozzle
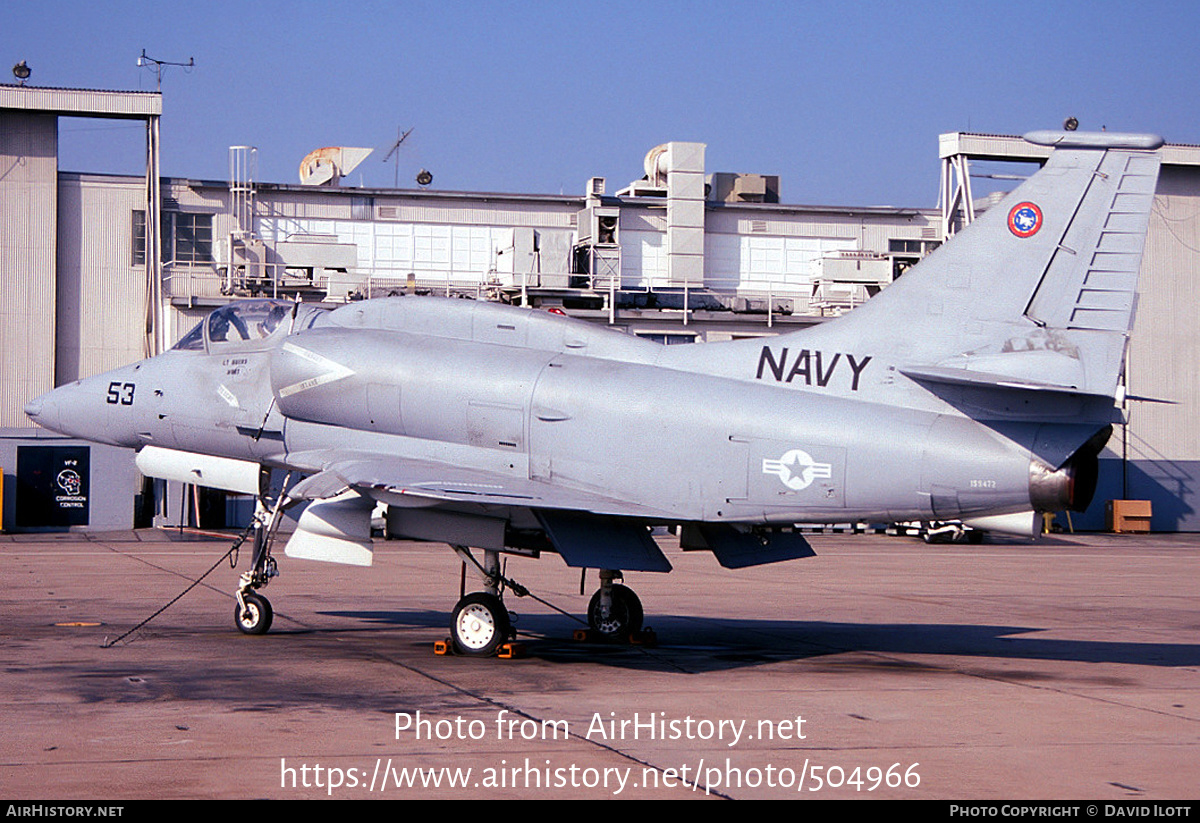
{"x": 1073, "y": 485}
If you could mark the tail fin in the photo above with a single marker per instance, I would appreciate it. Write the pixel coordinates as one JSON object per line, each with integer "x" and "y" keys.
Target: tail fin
{"x": 1039, "y": 291}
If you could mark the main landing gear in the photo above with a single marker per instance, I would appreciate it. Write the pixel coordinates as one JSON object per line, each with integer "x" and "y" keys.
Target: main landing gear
{"x": 615, "y": 612}
{"x": 481, "y": 623}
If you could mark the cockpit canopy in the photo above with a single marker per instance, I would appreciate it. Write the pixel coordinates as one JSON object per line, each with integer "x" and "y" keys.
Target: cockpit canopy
{"x": 245, "y": 322}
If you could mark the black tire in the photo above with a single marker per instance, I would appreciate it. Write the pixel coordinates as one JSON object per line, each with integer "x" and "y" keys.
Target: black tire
{"x": 257, "y": 616}
{"x": 624, "y": 619}
{"x": 480, "y": 624}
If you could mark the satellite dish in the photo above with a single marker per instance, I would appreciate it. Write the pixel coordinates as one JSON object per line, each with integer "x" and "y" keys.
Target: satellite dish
{"x": 655, "y": 164}
{"x": 327, "y": 166}
{"x": 21, "y": 72}
{"x": 1070, "y": 124}
{"x": 424, "y": 177}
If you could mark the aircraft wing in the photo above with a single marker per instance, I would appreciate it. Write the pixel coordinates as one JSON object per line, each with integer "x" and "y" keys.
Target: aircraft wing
{"x": 367, "y": 473}
{"x": 585, "y": 528}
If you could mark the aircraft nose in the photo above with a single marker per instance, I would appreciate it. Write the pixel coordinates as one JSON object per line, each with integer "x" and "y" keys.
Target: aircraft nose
{"x": 43, "y": 411}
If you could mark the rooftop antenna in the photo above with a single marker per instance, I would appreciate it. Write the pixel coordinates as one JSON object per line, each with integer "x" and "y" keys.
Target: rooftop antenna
{"x": 399, "y": 139}
{"x": 159, "y": 66}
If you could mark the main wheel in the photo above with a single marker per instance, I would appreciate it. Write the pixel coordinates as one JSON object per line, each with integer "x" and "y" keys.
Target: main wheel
{"x": 480, "y": 624}
{"x": 256, "y": 617}
{"x": 622, "y": 620}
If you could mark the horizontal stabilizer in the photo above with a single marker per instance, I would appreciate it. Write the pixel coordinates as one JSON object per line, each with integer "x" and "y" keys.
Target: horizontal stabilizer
{"x": 1094, "y": 140}
{"x": 737, "y": 549}
{"x": 593, "y": 541}
{"x": 978, "y": 379}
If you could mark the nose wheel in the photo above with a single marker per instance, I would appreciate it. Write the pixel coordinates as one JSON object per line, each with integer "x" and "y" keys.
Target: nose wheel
{"x": 253, "y": 613}
{"x": 480, "y": 624}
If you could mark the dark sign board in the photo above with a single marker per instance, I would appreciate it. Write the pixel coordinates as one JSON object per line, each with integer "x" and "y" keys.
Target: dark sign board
{"x": 53, "y": 485}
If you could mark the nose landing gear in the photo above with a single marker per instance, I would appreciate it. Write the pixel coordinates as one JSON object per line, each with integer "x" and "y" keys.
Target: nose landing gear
{"x": 253, "y": 613}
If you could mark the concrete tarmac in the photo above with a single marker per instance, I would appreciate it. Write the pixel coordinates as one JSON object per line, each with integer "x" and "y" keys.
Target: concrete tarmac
{"x": 882, "y": 668}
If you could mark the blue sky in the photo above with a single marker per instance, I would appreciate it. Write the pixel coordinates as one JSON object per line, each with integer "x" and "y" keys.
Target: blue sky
{"x": 843, "y": 100}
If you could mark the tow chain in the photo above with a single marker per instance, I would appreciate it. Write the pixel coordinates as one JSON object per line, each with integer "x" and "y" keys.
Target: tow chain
{"x": 107, "y": 644}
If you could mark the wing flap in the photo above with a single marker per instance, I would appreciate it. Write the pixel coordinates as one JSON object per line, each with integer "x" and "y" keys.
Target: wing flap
{"x": 588, "y": 540}
{"x": 737, "y": 549}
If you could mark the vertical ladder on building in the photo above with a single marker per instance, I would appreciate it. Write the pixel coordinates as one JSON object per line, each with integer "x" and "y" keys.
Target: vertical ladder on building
{"x": 243, "y": 250}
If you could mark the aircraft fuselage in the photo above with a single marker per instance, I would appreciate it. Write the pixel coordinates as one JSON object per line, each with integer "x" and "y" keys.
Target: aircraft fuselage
{"x": 689, "y": 446}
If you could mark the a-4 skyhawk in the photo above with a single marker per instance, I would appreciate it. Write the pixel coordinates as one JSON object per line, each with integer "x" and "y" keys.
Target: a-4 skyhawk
{"x": 979, "y": 387}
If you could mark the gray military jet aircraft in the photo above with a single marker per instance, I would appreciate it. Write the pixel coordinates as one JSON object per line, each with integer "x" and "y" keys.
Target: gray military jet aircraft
{"x": 978, "y": 387}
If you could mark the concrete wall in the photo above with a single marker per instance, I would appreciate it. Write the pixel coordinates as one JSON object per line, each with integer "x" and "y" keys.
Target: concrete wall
{"x": 28, "y": 230}
{"x": 101, "y": 294}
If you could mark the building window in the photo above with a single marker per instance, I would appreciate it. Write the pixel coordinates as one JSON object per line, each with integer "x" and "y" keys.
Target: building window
{"x": 139, "y": 238}
{"x": 907, "y": 253}
{"x": 192, "y": 238}
{"x": 362, "y": 208}
{"x": 920, "y": 247}
{"x": 186, "y": 238}
{"x": 667, "y": 339}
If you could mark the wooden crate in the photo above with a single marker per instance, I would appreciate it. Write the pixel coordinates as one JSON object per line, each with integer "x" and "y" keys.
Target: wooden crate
{"x": 1128, "y": 516}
